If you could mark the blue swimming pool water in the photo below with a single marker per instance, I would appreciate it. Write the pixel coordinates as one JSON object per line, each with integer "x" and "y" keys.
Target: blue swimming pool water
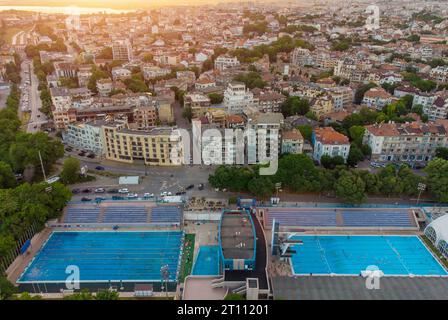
{"x": 393, "y": 255}
{"x": 104, "y": 256}
{"x": 207, "y": 261}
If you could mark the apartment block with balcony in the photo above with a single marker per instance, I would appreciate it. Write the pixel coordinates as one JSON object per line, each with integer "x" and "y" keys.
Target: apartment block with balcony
{"x": 85, "y": 135}
{"x": 161, "y": 146}
{"x": 408, "y": 142}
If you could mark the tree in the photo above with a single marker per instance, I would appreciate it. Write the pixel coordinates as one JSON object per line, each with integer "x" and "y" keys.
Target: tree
{"x": 215, "y": 98}
{"x": 442, "y": 152}
{"x": 437, "y": 171}
{"x": 261, "y": 187}
{"x": 356, "y": 134}
{"x": 295, "y": 105}
{"x": 70, "y": 170}
{"x": 27, "y": 296}
{"x": 7, "y": 289}
{"x": 359, "y": 94}
{"x": 306, "y": 130}
{"x": 355, "y": 155}
{"x": 330, "y": 162}
{"x": 350, "y": 187}
{"x": 107, "y": 295}
{"x": 7, "y": 178}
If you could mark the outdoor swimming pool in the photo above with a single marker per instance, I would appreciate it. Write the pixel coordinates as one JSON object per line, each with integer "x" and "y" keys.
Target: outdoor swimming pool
{"x": 207, "y": 261}
{"x": 106, "y": 256}
{"x": 349, "y": 255}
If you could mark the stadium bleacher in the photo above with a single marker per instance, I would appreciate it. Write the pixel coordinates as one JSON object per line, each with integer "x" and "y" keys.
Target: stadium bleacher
{"x": 303, "y": 218}
{"x": 374, "y": 219}
{"x": 166, "y": 214}
{"x": 347, "y": 218}
{"x": 82, "y": 215}
{"x": 125, "y": 214}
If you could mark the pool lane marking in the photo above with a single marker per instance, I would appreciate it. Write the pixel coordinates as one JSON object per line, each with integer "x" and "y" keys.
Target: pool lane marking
{"x": 398, "y": 255}
{"x": 322, "y": 253}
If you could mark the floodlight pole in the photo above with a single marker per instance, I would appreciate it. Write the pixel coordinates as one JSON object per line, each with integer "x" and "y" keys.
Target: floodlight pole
{"x": 42, "y": 165}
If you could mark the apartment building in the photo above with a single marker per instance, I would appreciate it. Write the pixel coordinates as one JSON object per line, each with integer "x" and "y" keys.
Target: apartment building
{"x": 408, "y": 142}
{"x": 237, "y": 97}
{"x": 301, "y": 57}
{"x": 145, "y": 116}
{"x": 85, "y": 135}
{"x": 292, "y": 142}
{"x": 377, "y": 98}
{"x": 327, "y": 141}
{"x": 263, "y": 136}
{"x": 342, "y": 97}
{"x": 122, "y": 50}
{"x": 224, "y": 62}
{"x": 321, "y": 106}
{"x": 199, "y": 103}
{"x": 160, "y": 146}
{"x": 270, "y": 101}
{"x": 440, "y": 74}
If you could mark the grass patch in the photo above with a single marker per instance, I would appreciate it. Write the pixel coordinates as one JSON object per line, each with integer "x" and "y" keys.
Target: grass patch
{"x": 187, "y": 257}
{"x": 106, "y": 173}
{"x": 435, "y": 251}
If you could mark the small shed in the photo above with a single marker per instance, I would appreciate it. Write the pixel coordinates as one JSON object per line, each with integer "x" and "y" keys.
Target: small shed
{"x": 128, "y": 180}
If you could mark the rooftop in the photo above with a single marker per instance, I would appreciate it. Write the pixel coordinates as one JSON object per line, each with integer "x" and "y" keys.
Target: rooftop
{"x": 327, "y": 135}
{"x": 237, "y": 236}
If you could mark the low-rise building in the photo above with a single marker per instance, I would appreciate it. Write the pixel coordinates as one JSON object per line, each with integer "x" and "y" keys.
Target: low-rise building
{"x": 224, "y": 62}
{"x": 292, "y": 142}
{"x": 327, "y": 141}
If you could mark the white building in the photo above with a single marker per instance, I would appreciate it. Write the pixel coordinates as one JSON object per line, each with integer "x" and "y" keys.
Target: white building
{"x": 237, "y": 97}
{"x": 225, "y": 62}
{"x": 122, "y": 50}
{"x": 437, "y": 233}
{"x": 328, "y": 141}
{"x": 86, "y": 136}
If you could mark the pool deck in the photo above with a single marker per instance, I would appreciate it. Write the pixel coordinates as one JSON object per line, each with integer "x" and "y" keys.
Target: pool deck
{"x": 200, "y": 288}
{"x": 21, "y": 262}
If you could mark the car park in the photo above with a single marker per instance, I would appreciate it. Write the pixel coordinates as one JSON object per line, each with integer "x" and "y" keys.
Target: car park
{"x": 112, "y": 191}
{"x": 87, "y": 190}
{"x": 76, "y": 191}
{"x": 148, "y": 195}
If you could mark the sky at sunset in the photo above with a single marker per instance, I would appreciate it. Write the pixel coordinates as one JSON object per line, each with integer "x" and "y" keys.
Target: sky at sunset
{"x": 127, "y": 4}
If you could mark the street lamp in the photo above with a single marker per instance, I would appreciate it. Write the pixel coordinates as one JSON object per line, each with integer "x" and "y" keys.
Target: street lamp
{"x": 420, "y": 187}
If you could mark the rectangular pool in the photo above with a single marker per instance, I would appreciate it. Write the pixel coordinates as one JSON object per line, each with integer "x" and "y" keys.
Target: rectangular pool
{"x": 106, "y": 256}
{"x": 349, "y": 255}
{"x": 207, "y": 261}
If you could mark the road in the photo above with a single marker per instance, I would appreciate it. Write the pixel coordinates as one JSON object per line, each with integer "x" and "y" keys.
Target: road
{"x": 37, "y": 118}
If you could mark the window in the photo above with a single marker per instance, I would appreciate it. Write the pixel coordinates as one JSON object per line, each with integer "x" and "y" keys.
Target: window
{"x": 431, "y": 234}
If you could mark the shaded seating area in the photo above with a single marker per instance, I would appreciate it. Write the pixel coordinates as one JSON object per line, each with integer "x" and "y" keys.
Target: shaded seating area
{"x": 166, "y": 214}
{"x": 377, "y": 219}
{"x": 125, "y": 214}
{"x": 303, "y": 218}
{"x": 82, "y": 215}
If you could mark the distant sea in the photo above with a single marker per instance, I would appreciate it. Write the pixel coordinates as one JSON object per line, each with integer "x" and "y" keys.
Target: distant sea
{"x": 65, "y": 10}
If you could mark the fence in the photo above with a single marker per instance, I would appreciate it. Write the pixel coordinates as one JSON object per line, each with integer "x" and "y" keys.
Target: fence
{"x": 9, "y": 258}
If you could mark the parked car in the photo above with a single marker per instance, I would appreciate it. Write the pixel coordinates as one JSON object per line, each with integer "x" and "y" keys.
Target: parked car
{"x": 99, "y": 199}
{"x": 163, "y": 194}
{"x": 123, "y": 190}
{"x": 91, "y": 155}
{"x": 132, "y": 195}
{"x": 179, "y": 193}
{"x": 201, "y": 186}
{"x": 99, "y": 168}
{"x": 191, "y": 186}
{"x": 87, "y": 190}
{"x": 148, "y": 195}
{"x": 86, "y": 199}
{"x": 112, "y": 191}
{"x": 100, "y": 190}
{"x": 76, "y": 191}
{"x": 82, "y": 154}
{"x": 68, "y": 149}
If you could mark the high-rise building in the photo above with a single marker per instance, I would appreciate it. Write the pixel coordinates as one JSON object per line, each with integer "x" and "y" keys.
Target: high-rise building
{"x": 122, "y": 50}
